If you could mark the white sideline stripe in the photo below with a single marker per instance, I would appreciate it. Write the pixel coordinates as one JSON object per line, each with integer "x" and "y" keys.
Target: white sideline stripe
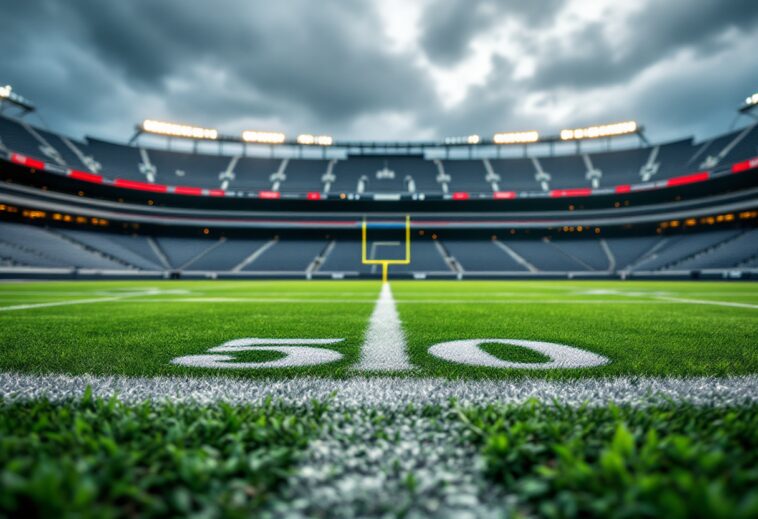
{"x": 401, "y": 302}
{"x": 388, "y": 392}
{"x": 706, "y": 302}
{"x": 60, "y": 303}
{"x": 384, "y": 348}
{"x": 80, "y": 301}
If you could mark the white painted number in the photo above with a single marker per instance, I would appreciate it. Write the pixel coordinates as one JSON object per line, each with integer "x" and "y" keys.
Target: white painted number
{"x": 469, "y": 352}
{"x": 297, "y": 353}
{"x": 303, "y": 352}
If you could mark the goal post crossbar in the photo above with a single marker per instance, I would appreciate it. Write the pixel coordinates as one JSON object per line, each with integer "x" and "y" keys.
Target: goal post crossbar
{"x": 385, "y": 263}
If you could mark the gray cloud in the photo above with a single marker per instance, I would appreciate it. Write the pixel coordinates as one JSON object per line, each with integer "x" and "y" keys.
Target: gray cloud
{"x": 591, "y": 58}
{"x": 449, "y": 25}
{"x": 98, "y": 67}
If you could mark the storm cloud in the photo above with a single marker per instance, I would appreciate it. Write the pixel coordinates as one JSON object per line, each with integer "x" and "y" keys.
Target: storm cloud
{"x": 382, "y": 69}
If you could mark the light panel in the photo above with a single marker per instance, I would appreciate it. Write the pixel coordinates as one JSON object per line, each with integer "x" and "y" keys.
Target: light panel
{"x": 516, "y": 137}
{"x": 255, "y": 136}
{"x": 468, "y": 139}
{"x": 752, "y": 100}
{"x": 178, "y": 130}
{"x": 308, "y": 139}
{"x": 603, "y": 130}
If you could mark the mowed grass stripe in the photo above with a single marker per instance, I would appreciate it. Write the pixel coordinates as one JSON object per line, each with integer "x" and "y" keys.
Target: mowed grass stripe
{"x": 641, "y": 335}
{"x": 387, "y": 392}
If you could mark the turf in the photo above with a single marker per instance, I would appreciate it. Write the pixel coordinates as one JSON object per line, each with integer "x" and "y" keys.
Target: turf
{"x": 674, "y": 461}
{"x": 96, "y": 458}
{"x": 101, "y": 458}
{"x": 136, "y": 328}
{"x": 334, "y": 458}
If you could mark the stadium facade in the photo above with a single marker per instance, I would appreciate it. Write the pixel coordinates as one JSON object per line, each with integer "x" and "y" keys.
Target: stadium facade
{"x": 266, "y": 207}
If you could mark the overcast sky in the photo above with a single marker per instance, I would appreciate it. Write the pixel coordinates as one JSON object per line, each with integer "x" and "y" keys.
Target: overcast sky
{"x": 382, "y": 69}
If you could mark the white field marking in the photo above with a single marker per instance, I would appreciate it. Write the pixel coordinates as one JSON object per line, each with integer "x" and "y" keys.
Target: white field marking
{"x": 671, "y": 293}
{"x": 384, "y": 348}
{"x": 297, "y": 354}
{"x": 401, "y": 302}
{"x": 388, "y": 392}
{"x": 148, "y": 292}
{"x": 248, "y": 300}
{"x": 687, "y": 301}
{"x": 561, "y": 356}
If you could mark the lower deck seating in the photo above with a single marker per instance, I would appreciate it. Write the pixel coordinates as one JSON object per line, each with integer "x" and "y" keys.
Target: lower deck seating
{"x": 482, "y": 256}
{"x": 24, "y": 245}
{"x": 52, "y": 248}
{"x": 287, "y": 256}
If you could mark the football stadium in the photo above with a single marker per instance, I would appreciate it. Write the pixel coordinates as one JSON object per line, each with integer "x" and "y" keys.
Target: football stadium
{"x": 553, "y": 318}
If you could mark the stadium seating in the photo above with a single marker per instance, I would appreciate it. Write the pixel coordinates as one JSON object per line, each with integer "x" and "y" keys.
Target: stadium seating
{"x": 120, "y": 161}
{"x": 482, "y": 256}
{"x": 731, "y": 252}
{"x": 466, "y": 175}
{"x": 287, "y": 256}
{"x": 32, "y": 246}
{"x": 191, "y": 169}
{"x": 627, "y": 251}
{"x": 683, "y": 246}
{"x": 517, "y": 174}
{"x": 304, "y": 176}
{"x": 41, "y": 247}
{"x": 254, "y": 173}
{"x": 16, "y": 138}
{"x": 395, "y": 174}
{"x": 385, "y": 175}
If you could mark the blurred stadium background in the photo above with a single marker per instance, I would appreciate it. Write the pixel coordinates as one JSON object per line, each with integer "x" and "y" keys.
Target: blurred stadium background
{"x": 191, "y": 202}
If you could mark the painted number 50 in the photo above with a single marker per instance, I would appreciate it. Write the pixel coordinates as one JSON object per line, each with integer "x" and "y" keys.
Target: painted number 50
{"x": 306, "y": 352}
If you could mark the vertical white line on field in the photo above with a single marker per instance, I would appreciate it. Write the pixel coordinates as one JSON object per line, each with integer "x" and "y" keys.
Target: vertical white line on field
{"x": 384, "y": 348}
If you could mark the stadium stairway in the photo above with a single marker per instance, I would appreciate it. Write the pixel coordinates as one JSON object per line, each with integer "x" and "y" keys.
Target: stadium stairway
{"x": 319, "y": 260}
{"x": 726, "y": 254}
{"x": 682, "y": 246}
{"x": 587, "y": 253}
{"x": 49, "y": 244}
{"x": 93, "y": 250}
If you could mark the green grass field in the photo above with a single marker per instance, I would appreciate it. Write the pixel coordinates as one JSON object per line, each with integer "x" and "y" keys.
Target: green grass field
{"x": 98, "y": 419}
{"x": 138, "y": 328}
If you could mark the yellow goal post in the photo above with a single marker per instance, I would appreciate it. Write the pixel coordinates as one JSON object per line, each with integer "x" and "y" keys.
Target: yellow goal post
{"x": 385, "y": 263}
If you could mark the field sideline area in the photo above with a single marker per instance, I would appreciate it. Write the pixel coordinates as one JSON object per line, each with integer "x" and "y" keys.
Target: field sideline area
{"x": 342, "y": 399}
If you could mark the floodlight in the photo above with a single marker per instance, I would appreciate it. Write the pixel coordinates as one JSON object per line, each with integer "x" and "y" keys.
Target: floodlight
{"x": 178, "y": 130}
{"x": 255, "y": 136}
{"x": 595, "y": 132}
{"x": 308, "y": 139}
{"x": 516, "y": 137}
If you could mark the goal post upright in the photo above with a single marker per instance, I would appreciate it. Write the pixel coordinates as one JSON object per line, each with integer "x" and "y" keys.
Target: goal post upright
{"x": 385, "y": 263}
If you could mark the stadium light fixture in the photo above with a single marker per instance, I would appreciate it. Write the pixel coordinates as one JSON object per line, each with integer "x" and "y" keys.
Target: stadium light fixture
{"x": 468, "y": 139}
{"x": 516, "y": 137}
{"x": 595, "y": 132}
{"x": 7, "y": 94}
{"x": 254, "y": 136}
{"x": 308, "y": 139}
{"x": 178, "y": 130}
{"x": 752, "y": 100}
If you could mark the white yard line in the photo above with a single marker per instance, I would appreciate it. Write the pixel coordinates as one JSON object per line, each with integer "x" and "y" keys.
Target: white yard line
{"x": 398, "y": 302}
{"x": 384, "y": 348}
{"x": 59, "y": 303}
{"x": 392, "y": 392}
{"x": 78, "y": 301}
{"x": 706, "y": 302}
{"x": 250, "y": 300}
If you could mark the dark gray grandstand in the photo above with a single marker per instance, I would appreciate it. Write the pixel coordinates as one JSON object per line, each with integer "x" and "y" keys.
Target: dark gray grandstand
{"x": 94, "y": 208}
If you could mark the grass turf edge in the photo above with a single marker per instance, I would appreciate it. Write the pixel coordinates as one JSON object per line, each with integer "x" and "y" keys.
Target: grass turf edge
{"x": 103, "y": 458}
{"x": 675, "y": 460}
